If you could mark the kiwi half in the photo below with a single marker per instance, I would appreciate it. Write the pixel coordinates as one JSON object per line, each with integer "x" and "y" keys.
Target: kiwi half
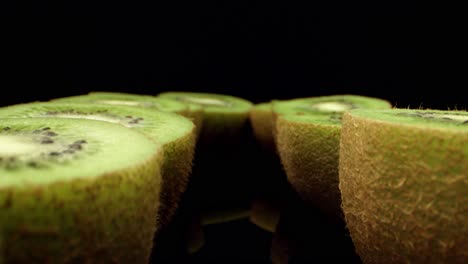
{"x": 126, "y": 99}
{"x": 69, "y": 194}
{"x": 404, "y": 184}
{"x": 175, "y": 133}
{"x": 224, "y": 116}
{"x": 221, "y": 145}
{"x": 194, "y": 113}
{"x": 266, "y": 207}
{"x": 307, "y": 136}
{"x": 261, "y": 119}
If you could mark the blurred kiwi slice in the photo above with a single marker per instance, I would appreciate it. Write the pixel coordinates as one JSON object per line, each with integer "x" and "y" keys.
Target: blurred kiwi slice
{"x": 224, "y": 116}
{"x": 261, "y": 119}
{"x": 307, "y": 134}
{"x": 174, "y": 132}
{"x": 221, "y": 186}
{"x": 404, "y": 184}
{"x": 76, "y": 191}
{"x": 194, "y": 113}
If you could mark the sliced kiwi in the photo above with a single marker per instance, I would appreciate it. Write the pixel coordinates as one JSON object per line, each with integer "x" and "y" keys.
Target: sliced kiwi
{"x": 261, "y": 119}
{"x": 222, "y": 145}
{"x": 221, "y": 187}
{"x": 174, "y": 132}
{"x": 224, "y": 116}
{"x": 307, "y": 137}
{"x": 147, "y": 101}
{"x": 265, "y": 210}
{"x": 76, "y": 191}
{"x": 115, "y": 98}
{"x": 404, "y": 184}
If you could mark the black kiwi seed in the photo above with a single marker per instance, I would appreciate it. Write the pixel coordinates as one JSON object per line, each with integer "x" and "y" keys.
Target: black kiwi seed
{"x": 50, "y": 134}
{"x": 47, "y": 141}
{"x": 55, "y": 153}
{"x": 465, "y": 122}
{"x": 75, "y": 146}
{"x": 32, "y": 164}
{"x": 6, "y": 128}
{"x": 46, "y": 128}
{"x": 81, "y": 141}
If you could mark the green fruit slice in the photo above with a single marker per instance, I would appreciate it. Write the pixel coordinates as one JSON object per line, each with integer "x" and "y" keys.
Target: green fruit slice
{"x": 76, "y": 191}
{"x": 224, "y": 116}
{"x": 307, "y": 136}
{"x": 126, "y": 99}
{"x": 404, "y": 184}
{"x": 193, "y": 112}
{"x": 261, "y": 119}
{"x": 175, "y": 133}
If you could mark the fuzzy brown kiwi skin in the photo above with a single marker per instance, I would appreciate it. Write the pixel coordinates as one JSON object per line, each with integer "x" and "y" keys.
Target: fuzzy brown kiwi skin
{"x": 89, "y": 239}
{"x": 261, "y": 119}
{"x": 412, "y": 209}
{"x": 317, "y": 179}
{"x": 176, "y": 176}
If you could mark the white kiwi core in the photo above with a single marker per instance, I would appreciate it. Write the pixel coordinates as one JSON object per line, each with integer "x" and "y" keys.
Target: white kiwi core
{"x": 331, "y": 107}
{"x": 14, "y": 146}
{"x": 205, "y": 101}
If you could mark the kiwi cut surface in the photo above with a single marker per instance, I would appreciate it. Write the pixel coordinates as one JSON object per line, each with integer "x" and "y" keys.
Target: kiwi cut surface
{"x": 69, "y": 194}
{"x": 126, "y": 99}
{"x": 404, "y": 184}
{"x": 307, "y": 136}
{"x": 175, "y": 133}
{"x": 193, "y": 112}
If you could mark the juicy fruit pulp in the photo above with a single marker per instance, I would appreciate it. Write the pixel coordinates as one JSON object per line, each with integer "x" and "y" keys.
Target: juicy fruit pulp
{"x": 78, "y": 206}
{"x": 403, "y": 170}
{"x": 113, "y": 98}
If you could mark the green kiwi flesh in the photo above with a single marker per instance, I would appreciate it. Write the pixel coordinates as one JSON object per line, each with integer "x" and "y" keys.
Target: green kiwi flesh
{"x": 307, "y": 137}
{"x": 193, "y": 112}
{"x": 126, "y": 99}
{"x": 174, "y": 132}
{"x": 404, "y": 184}
{"x": 69, "y": 194}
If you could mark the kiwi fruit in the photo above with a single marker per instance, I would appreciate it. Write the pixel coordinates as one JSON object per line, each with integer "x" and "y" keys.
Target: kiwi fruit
{"x": 224, "y": 139}
{"x": 69, "y": 194}
{"x": 175, "y": 133}
{"x": 194, "y": 113}
{"x": 266, "y": 207}
{"x": 404, "y": 184}
{"x": 224, "y": 116}
{"x": 307, "y": 137}
{"x": 115, "y": 98}
{"x": 261, "y": 119}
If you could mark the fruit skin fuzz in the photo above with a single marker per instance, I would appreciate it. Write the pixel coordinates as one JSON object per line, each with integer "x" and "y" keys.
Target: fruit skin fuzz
{"x": 307, "y": 135}
{"x": 404, "y": 186}
{"x": 309, "y": 153}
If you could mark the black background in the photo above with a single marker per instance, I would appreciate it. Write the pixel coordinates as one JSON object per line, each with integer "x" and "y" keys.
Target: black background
{"x": 252, "y": 49}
